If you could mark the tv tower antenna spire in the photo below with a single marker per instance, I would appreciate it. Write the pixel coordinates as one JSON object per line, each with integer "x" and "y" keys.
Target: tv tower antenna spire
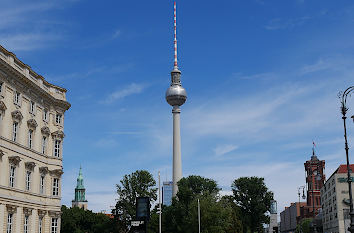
{"x": 175, "y": 67}
{"x": 176, "y": 96}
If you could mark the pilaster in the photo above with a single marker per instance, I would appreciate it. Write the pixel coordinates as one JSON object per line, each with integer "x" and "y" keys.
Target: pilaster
{"x": 2, "y": 218}
{"x": 19, "y": 220}
{"x": 34, "y": 221}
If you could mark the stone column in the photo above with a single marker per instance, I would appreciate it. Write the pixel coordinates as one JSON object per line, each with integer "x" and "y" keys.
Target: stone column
{"x": 177, "y": 160}
{"x": 4, "y": 169}
{"x": 19, "y": 220}
{"x": 2, "y": 217}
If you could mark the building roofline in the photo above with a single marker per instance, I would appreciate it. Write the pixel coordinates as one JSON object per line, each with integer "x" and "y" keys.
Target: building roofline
{"x": 18, "y": 61}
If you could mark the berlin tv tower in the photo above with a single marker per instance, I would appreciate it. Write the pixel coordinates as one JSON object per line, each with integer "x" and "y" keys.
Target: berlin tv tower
{"x": 176, "y": 96}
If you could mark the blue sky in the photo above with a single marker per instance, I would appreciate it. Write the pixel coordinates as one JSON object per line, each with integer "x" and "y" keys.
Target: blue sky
{"x": 262, "y": 79}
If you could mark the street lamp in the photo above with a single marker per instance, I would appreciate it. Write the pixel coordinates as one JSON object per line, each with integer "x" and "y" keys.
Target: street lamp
{"x": 343, "y": 96}
{"x": 303, "y": 192}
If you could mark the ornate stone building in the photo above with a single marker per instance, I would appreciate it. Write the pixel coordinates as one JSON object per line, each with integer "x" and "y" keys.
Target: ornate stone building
{"x": 31, "y": 146}
{"x": 80, "y": 197}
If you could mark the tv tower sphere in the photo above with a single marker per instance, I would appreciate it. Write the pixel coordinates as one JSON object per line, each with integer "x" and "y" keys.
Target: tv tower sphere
{"x": 176, "y": 95}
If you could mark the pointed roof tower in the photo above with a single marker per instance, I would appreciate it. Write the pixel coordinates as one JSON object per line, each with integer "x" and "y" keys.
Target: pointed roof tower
{"x": 80, "y": 192}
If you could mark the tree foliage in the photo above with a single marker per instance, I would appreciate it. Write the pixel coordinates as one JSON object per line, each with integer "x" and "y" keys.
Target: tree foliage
{"x": 304, "y": 226}
{"x": 138, "y": 184}
{"x": 252, "y": 196}
{"x": 76, "y": 220}
{"x": 217, "y": 216}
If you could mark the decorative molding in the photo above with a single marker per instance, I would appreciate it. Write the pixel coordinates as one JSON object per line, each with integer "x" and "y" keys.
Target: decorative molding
{"x": 15, "y": 160}
{"x": 30, "y": 165}
{"x": 43, "y": 170}
{"x": 2, "y": 106}
{"x": 42, "y": 213}
{"x": 54, "y": 214}
{"x": 27, "y": 211}
{"x": 32, "y": 123}
{"x": 11, "y": 208}
{"x": 2, "y": 153}
{"x": 56, "y": 172}
{"x": 58, "y": 134}
{"x": 45, "y": 130}
{"x": 17, "y": 115}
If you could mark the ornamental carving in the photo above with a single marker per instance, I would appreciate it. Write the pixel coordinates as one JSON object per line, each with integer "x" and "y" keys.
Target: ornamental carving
{"x": 43, "y": 170}
{"x": 56, "y": 172}
{"x": 27, "y": 211}
{"x": 58, "y": 134}
{"x": 2, "y": 106}
{"x": 15, "y": 160}
{"x": 17, "y": 115}
{"x": 54, "y": 214}
{"x": 45, "y": 130}
{"x": 32, "y": 123}
{"x": 42, "y": 213}
{"x": 11, "y": 208}
{"x": 1, "y": 153}
{"x": 30, "y": 165}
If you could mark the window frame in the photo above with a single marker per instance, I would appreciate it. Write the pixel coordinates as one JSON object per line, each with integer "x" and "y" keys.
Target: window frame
{"x": 32, "y": 107}
{"x": 9, "y": 223}
{"x": 54, "y": 225}
{"x": 26, "y": 224}
{"x": 55, "y": 187}
{"x": 57, "y": 148}
{"x": 44, "y": 144}
{"x": 42, "y": 184}
{"x": 30, "y": 138}
{"x": 40, "y": 224}
{"x": 12, "y": 175}
{"x": 17, "y": 98}
{"x": 15, "y": 128}
{"x": 45, "y": 115}
{"x": 28, "y": 180}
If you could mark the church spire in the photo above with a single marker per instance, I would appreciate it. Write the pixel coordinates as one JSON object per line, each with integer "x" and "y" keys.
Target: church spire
{"x": 80, "y": 199}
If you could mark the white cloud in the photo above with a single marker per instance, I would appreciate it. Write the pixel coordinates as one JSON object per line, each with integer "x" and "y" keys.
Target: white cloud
{"x": 224, "y": 149}
{"x": 122, "y": 93}
{"x": 116, "y": 34}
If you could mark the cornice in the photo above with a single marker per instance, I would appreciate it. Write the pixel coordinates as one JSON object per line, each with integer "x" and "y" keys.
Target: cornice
{"x": 58, "y": 134}
{"x": 30, "y": 165}
{"x": 32, "y": 123}
{"x": 17, "y": 115}
{"x": 28, "y": 83}
{"x": 45, "y": 130}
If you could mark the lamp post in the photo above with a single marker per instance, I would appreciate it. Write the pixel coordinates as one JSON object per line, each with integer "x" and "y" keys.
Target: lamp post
{"x": 303, "y": 192}
{"x": 343, "y": 96}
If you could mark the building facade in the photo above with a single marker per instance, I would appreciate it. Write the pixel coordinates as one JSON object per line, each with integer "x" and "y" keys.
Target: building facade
{"x": 335, "y": 201}
{"x": 31, "y": 145}
{"x": 167, "y": 193}
{"x": 290, "y": 217}
{"x": 80, "y": 196}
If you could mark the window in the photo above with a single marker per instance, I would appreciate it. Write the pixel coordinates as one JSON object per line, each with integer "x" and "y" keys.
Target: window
{"x": 45, "y": 115}
{"x": 58, "y": 118}
{"x": 41, "y": 184}
{"x": 1, "y": 86}
{"x": 17, "y": 98}
{"x": 57, "y": 148}
{"x": 54, "y": 225}
{"x": 55, "y": 187}
{"x": 12, "y": 176}
{"x": 28, "y": 180}
{"x": 32, "y": 107}
{"x": 40, "y": 223}
{"x": 14, "y": 131}
{"x": 25, "y": 225}
{"x": 30, "y": 138}
{"x": 44, "y": 144}
{"x": 9, "y": 223}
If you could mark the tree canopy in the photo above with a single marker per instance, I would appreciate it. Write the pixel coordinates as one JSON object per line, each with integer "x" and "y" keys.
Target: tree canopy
{"x": 137, "y": 184}
{"x": 252, "y": 196}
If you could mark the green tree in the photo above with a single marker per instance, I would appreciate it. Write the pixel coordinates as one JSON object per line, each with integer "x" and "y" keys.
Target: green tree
{"x": 252, "y": 196}
{"x": 76, "y": 220}
{"x": 217, "y": 216}
{"x": 138, "y": 184}
{"x": 304, "y": 226}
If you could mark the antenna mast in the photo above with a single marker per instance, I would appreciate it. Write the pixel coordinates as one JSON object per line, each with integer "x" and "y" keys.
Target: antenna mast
{"x": 175, "y": 67}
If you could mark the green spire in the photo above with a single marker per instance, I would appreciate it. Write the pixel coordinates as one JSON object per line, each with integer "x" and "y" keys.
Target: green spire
{"x": 80, "y": 189}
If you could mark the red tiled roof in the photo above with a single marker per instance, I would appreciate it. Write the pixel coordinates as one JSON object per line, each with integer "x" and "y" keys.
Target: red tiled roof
{"x": 343, "y": 168}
